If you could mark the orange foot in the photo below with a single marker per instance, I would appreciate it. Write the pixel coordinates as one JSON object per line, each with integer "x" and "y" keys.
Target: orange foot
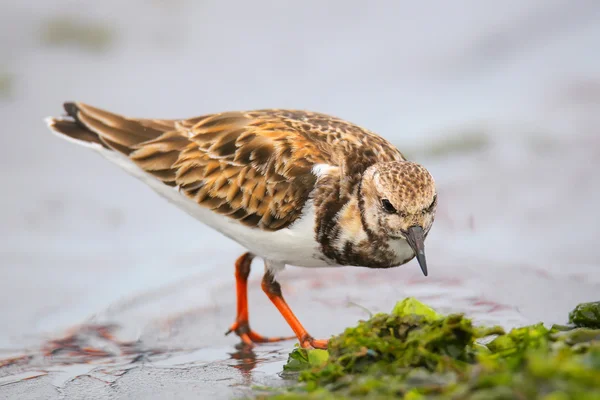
{"x": 273, "y": 290}
{"x": 241, "y": 327}
{"x": 310, "y": 343}
{"x": 249, "y": 337}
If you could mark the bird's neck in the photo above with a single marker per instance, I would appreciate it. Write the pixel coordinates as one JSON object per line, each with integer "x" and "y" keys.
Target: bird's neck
{"x": 342, "y": 231}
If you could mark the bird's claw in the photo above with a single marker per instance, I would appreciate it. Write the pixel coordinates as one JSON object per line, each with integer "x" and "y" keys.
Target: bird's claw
{"x": 249, "y": 337}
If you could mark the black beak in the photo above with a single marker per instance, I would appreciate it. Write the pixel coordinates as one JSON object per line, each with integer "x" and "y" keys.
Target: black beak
{"x": 416, "y": 241}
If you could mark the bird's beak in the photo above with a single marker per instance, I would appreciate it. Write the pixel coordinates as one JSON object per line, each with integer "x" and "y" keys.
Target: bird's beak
{"x": 416, "y": 240}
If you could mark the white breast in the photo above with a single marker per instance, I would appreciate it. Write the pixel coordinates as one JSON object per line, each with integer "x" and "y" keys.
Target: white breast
{"x": 295, "y": 245}
{"x": 402, "y": 249}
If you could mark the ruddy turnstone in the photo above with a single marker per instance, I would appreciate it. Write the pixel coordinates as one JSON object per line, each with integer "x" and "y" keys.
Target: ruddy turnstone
{"x": 292, "y": 187}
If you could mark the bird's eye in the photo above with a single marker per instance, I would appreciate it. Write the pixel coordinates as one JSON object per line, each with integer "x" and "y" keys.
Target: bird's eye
{"x": 387, "y": 206}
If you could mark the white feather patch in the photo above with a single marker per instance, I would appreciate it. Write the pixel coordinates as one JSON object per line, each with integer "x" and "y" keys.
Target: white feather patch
{"x": 320, "y": 170}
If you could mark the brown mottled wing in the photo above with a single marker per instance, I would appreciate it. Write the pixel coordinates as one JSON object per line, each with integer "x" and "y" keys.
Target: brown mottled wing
{"x": 251, "y": 169}
{"x": 253, "y": 166}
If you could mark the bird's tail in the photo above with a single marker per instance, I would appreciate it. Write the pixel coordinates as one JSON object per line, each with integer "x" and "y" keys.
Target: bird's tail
{"x": 92, "y": 127}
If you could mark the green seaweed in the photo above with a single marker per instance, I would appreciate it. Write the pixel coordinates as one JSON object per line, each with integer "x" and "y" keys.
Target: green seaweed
{"x": 586, "y": 315}
{"x": 416, "y": 353}
{"x": 301, "y": 359}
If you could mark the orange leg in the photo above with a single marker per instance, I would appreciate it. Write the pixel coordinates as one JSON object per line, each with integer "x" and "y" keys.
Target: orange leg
{"x": 272, "y": 288}
{"x": 241, "y": 326}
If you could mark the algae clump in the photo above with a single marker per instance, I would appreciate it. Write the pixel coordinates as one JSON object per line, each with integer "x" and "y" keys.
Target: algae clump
{"x": 416, "y": 353}
{"x": 586, "y": 315}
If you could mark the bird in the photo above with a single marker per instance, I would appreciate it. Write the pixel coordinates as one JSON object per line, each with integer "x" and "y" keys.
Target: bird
{"x": 293, "y": 187}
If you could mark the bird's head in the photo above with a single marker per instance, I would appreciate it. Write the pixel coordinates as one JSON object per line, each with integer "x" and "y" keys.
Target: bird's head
{"x": 399, "y": 201}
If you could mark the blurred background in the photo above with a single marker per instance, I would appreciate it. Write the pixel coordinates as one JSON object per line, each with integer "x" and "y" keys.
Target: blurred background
{"x": 500, "y": 100}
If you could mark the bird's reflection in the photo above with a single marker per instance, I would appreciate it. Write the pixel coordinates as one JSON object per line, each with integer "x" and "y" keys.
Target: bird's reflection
{"x": 246, "y": 359}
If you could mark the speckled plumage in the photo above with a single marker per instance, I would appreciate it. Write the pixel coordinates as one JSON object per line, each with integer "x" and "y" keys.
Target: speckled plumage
{"x": 329, "y": 191}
